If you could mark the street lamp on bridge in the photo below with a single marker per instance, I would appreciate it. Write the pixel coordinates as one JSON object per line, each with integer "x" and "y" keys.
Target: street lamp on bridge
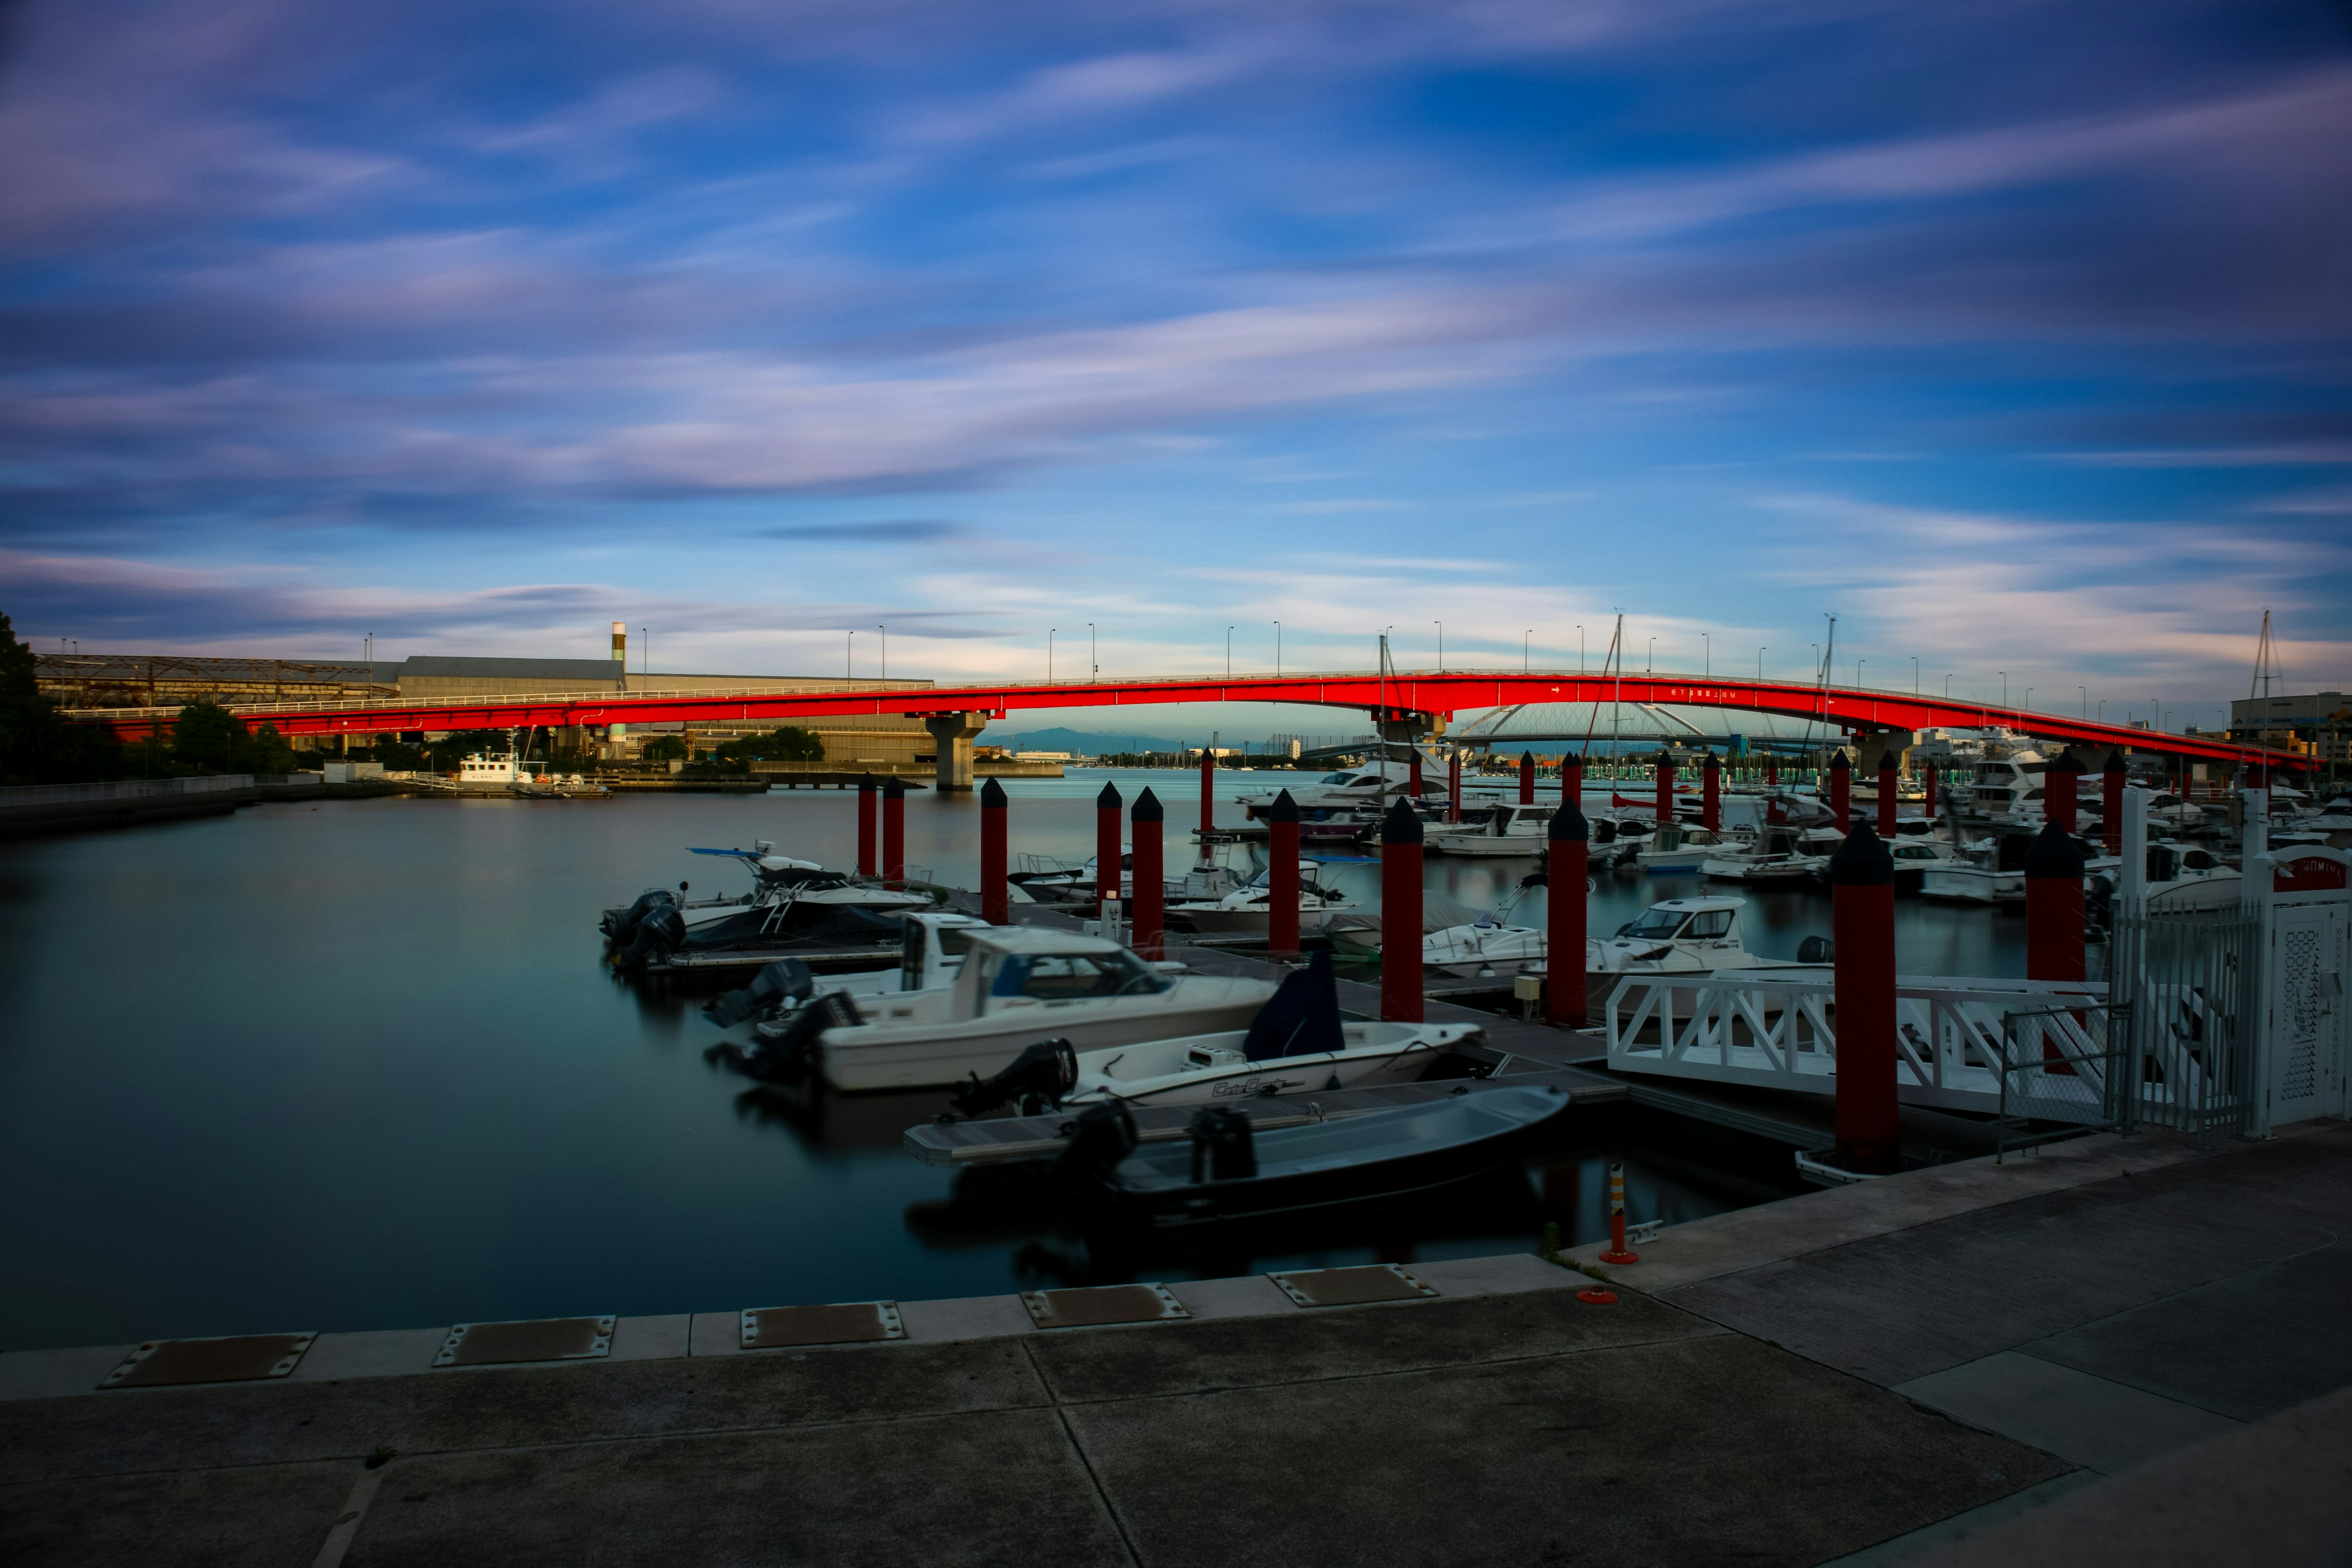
{"x": 1441, "y": 645}
{"x": 1049, "y": 654}
{"x": 1760, "y": 659}
{"x": 1229, "y": 653}
{"x": 1277, "y": 650}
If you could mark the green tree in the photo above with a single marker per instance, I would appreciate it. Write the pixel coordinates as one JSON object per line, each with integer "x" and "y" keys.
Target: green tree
{"x": 205, "y": 738}
{"x": 664, "y": 749}
{"x": 38, "y": 745}
{"x": 787, "y": 743}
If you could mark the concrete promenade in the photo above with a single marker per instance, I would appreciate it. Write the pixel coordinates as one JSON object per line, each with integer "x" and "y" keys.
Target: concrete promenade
{"x": 2104, "y": 1352}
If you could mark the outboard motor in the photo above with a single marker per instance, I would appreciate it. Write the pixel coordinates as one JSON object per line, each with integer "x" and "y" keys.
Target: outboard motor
{"x": 661, "y": 929}
{"x": 786, "y": 980}
{"x": 830, "y": 1011}
{"x": 1817, "y": 950}
{"x": 1221, "y": 1149}
{"x": 1102, "y": 1136}
{"x": 621, "y": 925}
{"x": 1039, "y": 1077}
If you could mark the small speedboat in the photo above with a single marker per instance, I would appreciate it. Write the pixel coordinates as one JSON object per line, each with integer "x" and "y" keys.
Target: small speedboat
{"x": 1674, "y": 848}
{"x": 932, "y": 945}
{"x": 1296, "y": 1043}
{"x": 1510, "y": 829}
{"x": 794, "y": 903}
{"x": 1227, "y": 1170}
{"x": 1244, "y": 909}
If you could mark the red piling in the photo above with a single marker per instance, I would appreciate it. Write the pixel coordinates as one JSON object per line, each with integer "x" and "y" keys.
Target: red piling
{"x": 995, "y": 897}
{"x": 1568, "y": 845}
{"x": 2053, "y": 918}
{"x": 1413, "y": 777}
{"x": 1149, "y": 920}
{"x": 1208, "y": 797}
{"x": 1889, "y": 783}
{"x": 1454, "y": 787}
{"x": 894, "y": 834}
{"x": 1107, "y": 836}
{"x": 2062, "y": 783}
{"x": 2111, "y": 803}
{"x": 1773, "y": 811}
{"x": 1571, "y": 782}
{"x": 1282, "y": 877}
{"x": 1861, "y": 889}
{"x": 1710, "y": 810}
{"x": 1840, "y": 792}
{"x": 1400, "y": 931}
{"x": 1526, "y": 778}
{"x": 865, "y": 862}
{"x": 1927, "y": 782}
{"x": 1666, "y": 786}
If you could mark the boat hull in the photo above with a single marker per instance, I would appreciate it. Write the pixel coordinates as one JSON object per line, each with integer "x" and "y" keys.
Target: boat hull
{"x": 853, "y": 1060}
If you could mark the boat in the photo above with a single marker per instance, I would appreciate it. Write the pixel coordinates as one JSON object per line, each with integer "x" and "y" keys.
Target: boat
{"x": 1365, "y": 791}
{"x": 1048, "y": 881}
{"x": 1508, "y": 830}
{"x": 1677, "y": 849}
{"x": 794, "y": 903}
{"x": 1227, "y": 1170}
{"x": 1016, "y": 985}
{"x": 1684, "y": 936}
{"x": 1296, "y": 1043}
{"x": 1489, "y": 945}
{"x": 1775, "y": 855}
{"x": 1974, "y": 874}
{"x": 2009, "y": 789}
{"x": 1245, "y": 908}
{"x": 933, "y": 944}
{"x": 1914, "y": 858}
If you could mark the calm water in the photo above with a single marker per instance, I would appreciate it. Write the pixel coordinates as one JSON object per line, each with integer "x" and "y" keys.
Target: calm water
{"x": 360, "y": 1064}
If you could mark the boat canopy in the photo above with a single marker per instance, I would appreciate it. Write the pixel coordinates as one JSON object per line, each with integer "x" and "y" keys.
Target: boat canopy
{"x": 1301, "y": 1019}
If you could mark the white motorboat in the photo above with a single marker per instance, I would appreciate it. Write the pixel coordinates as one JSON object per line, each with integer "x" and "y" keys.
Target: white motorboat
{"x": 1365, "y": 791}
{"x": 1675, "y": 850}
{"x": 1245, "y": 908}
{"x": 1914, "y": 858}
{"x": 2009, "y": 789}
{"x": 794, "y": 903}
{"x": 1775, "y": 855}
{"x": 1680, "y": 936}
{"x": 1017, "y": 986}
{"x": 1489, "y": 945}
{"x": 1047, "y": 881}
{"x": 931, "y": 951}
{"x": 1510, "y": 829}
{"x": 1973, "y": 875}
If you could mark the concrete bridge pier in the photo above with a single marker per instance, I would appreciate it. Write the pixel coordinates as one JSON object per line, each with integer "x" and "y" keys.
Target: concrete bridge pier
{"x": 1406, "y": 728}
{"x": 1869, "y": 745}
{"x": 953, "y": 734}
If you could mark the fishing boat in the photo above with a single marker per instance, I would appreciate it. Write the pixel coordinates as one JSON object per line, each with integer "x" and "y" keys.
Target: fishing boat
{"x": 933, "y": 944}
{"x": 1016, "y": 985}
{"x": 1227, "y": 1170}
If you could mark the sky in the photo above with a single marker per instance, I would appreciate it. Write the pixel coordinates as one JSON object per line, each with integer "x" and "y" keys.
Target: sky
{"x": 2017, "y": 336}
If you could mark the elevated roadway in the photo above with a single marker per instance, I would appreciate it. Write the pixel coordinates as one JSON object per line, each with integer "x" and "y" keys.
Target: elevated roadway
{"x": 1400, "y": 698}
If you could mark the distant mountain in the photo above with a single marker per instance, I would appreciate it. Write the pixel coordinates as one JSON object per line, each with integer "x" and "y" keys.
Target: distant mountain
{"x": 1082, "y": 742}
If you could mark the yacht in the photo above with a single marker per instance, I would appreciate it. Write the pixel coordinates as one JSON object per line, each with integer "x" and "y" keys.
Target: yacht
{"x": 1680, "y": 936}
{"x": 1016, "y": 987}
{"x": 1914, "y": 858}
{"x": 1973, "y": 875}
{"x": 1366, "y": 790}
{"x": 2009, "y": 789}
{"x": 1510, "y": 829}
{"x": 1244, "y": 909}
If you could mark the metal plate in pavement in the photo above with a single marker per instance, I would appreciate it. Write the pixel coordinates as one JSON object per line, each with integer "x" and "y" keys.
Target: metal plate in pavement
{"x": 531, "y": 1339}
{"x": 1087, "y": 1306}
{"x": 233, "y": 1358}
{"x": 1351, "y": 1287}
{"x": 841, "y": 1323}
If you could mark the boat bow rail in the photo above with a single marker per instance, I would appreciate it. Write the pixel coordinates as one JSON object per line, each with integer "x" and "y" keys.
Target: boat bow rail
{"x": 1950, "y": 1051}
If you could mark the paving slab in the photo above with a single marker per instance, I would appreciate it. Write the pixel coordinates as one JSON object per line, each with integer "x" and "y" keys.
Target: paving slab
{"x": 1491, "y": 1276}
{"x": 1702, "y": 1449}
{"x": 264, "y": 1516}
{"x": 2247, "y": 1346}
{"x": 1900, "y": 1306}
{"x": 1348, "y": 1341}
{"x": 571, "y": 1401}
{"x": 1238, "y": 1295}
{"x": 994, "y": 1487}
{"x": 2088, "y": 1421}
{"x": 965, "y": 1317}
{"x": 650, "y": 1339}
{"x": 45, "y": 1374}
{"x": 2277, "y": 1493}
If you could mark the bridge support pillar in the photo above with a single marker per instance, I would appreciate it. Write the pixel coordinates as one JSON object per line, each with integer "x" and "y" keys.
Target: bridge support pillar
{"x": 1407, "y": 728}
{"x": 953, "y": 732}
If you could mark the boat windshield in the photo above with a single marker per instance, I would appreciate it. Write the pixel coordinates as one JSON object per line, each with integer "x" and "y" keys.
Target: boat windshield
{"x": 1337, "y": 778}
{"x": 1068, "y": 976}
{"x": 1657, "y": 924}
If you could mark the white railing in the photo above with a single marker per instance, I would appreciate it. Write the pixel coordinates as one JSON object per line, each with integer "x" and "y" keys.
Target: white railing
{"x": 1782, "y": 1033}
{"x": 122, "y": 789}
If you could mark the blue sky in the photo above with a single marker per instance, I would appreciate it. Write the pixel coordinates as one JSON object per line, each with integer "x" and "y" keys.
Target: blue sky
{"x": 2018, "y": 334}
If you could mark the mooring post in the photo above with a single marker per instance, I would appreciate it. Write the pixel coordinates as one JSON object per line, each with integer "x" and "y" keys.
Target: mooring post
{"x": 1666, "y": 787}
{"x": 2053, "y": 915}
{"x": 894, "y": 833}
{"x": 1934, "y": 807}
{"x": 1710, "y": 807}
{"x": 2061, "y": 783}
{"x": 1889, "y": 783}
{"x": 1106, "y": 877}
{"x": 1149, "y": 918}
{"x": 1526, "y": 778}
{"x": 1413, "y": 776}
{"x": 1572, "y": 781}
{"x": 1567, "y": 867}
{"x": 1453, "y": 786}
{"x": 995, "y": 897}
{"x": 2111, "y": 805}
{"x": 1208, "y": 800}
{"x": 865, "y": 825}
{"x": 1862, "y": 926}
{"x": 1400, "y": 931}
{"x": 1773, "y": 813}
{"x": 1282, "y": 877}
{"x": 1840, "y": 791}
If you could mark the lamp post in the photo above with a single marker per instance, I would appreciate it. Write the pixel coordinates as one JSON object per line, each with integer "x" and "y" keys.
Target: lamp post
{"x": 1707, "y": 656}
{"x": 1525, "y": 637}
{"x": 2087, "y": 699}
{"x": 1229, "y": 653}
{"x": 1094, "y": 662}
{"x": 2004, "y": 688}
{"x": 2029, "y": 700}
{"x": 1277, "y": 650}
{"x": 883, "y": 633}
{"x": 1760, "y": 659}
{"x": 1948, "y": 686}
{"x": 1650, "y": 663}
{"x": 1441, "y": 645}
{"x": 1857, "y": 672}
{"x": 1049, "y": 654}
{"x": 1915, "y": 675}
{"x": 848, "y": 654}
{"x": 645, "y": 636}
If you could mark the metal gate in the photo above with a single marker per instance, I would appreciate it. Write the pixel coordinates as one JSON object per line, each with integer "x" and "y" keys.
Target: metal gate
{"x": 2304, "y": 1003}
{"x": 2186, "y": 980}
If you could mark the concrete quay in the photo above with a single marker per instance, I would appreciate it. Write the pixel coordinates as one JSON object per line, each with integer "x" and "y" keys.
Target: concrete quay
{"x": 2117, "y": 1350}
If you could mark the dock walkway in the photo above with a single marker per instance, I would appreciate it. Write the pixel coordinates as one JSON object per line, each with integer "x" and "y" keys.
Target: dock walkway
{"x": 2117, "y": 1351}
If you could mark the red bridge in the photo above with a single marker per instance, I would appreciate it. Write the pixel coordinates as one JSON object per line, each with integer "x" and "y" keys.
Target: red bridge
{"x": 1395, "y": 697}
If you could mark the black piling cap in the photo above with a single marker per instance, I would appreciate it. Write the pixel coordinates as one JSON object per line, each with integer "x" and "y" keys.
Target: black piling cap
{"x": 1527, "y": 759}
{"x": 992, "y": 796}
{"x": 894, "y": 790}
{"x": 1838, "y": 764}
{"x": 866, "y": 784}
{"x": 1567, "y": 825}
{"x": 1146, "y": 807}
{"x": 2054, "y": 854}
{"x": 1401, "y": 826}
{"x": 1888, "y": 763}
{"x": 2066, "y": 761}
{"x": 1666, "y": 760}
{"x": 1109, "y": 800}
{"x": 1284, "y": 808}
{"x": 2115, "y": 763}
{"x": 1861, "y": 861}
{"x": 1711, "y": 765}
